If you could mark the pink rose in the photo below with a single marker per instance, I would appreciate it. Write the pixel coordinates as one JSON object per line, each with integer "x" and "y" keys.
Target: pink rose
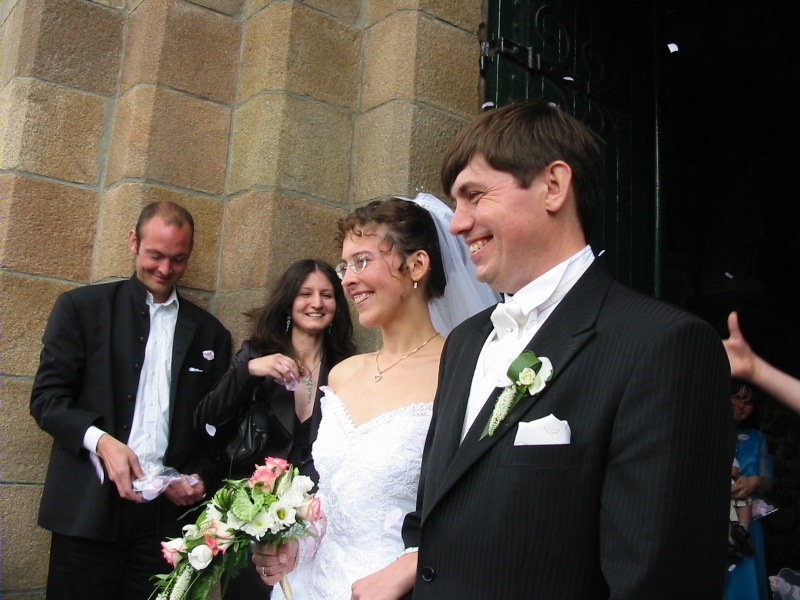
{"x": 278, "y": 465}
{"x": 218, "y": 537}
{"x": 172, "y": 551}
{"x": 267, "y": 473}
{"x": 263, "y": 476}
{"x": 310, "y": 509}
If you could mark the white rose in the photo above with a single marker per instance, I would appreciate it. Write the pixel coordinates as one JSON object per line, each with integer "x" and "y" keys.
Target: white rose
{"x": 302, "y": 483}
{"x": 527, "y": 377}
{"x": 200, "y": 557}
{"x": 298, "y": 491}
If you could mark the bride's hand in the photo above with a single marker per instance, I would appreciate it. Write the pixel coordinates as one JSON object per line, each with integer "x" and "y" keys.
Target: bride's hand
{"x": 390, "y": 583}
{"x": 273, "y": 562}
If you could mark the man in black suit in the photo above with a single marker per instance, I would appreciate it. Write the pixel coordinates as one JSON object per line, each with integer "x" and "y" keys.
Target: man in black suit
{"x": 613, "y": 481}
{"x": 122, "y": 370}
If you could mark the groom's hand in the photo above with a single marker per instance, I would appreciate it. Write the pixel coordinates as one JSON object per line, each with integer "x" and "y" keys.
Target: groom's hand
{"x": 273, "y": 562}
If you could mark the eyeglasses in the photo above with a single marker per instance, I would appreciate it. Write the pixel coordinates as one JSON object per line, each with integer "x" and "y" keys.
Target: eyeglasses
{"x": 358, "y": 263}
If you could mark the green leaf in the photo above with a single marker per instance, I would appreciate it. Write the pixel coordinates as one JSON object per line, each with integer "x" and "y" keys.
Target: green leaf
{"x": 194, "y": 508}
{"x": 486, "y": 429}
{"x": 201, "y": 586}
{"x": 233, "y": 562}
{"x": 258, "y": 495}
{"x": 192, "y": 544}
{"x": 224, "y": 498}
{"x": 242, "y": 507}
{"x": 524, "y": 361}
{"x": 522, "y": 391}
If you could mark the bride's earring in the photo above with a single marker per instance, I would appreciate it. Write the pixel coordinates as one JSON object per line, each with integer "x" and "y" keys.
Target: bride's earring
{"x": 415, "y": 285}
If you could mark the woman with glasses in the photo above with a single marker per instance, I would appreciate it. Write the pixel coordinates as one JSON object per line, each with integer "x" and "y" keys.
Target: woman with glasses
{"x": 747, "y": 577}
{"x": 378, "y": 407}
{"x": 302, "y": 331}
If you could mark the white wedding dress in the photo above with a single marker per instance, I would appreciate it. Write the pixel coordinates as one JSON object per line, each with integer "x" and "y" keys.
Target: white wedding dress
{"x": 368, "y": 477}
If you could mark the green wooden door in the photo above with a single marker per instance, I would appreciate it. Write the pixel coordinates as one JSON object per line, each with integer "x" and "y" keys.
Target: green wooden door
{"x": 596, "y": 61}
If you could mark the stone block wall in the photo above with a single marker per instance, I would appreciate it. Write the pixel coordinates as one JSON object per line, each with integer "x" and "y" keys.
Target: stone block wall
{"x": 268, "y": 119}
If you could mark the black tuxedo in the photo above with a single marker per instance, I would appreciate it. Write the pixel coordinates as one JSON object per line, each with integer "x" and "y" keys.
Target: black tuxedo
{"x": 634, "y": 507}
{"x": 94, "y": 346}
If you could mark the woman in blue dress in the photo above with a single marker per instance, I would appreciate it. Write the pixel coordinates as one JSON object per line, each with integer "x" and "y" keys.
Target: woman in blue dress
{"x": 747, "y": 579}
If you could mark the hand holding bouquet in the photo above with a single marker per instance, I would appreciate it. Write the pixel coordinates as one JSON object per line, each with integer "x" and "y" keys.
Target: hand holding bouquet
{"x": 272, "y": 507}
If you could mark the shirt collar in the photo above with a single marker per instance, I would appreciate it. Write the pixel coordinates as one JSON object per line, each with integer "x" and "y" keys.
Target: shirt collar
{"x": 538, "y": 292}
{"x": 173, "y": 297}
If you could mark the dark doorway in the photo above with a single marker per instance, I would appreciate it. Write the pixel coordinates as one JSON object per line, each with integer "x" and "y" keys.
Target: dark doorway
{"x": 585, "y": 57}
{"x": 730, "y": 201}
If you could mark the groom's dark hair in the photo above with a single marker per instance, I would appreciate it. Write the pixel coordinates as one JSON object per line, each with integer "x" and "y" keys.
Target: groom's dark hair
{"x": 522, "y": 139}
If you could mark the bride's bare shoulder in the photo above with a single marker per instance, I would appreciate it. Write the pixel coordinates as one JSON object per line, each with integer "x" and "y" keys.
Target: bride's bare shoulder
{"x": 347, "y": 368}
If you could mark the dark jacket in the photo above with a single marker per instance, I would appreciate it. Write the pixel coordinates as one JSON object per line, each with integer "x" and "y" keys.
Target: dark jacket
{"x": 223, "y": 406}
{"x": 94, "y": 346}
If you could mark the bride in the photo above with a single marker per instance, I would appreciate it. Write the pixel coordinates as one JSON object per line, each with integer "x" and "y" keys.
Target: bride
{"x": 378, "y": 407}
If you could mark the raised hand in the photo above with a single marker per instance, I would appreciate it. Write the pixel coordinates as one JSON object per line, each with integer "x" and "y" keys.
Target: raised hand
{"x": 743, "y": 360}
{"x": 280, "y": 367}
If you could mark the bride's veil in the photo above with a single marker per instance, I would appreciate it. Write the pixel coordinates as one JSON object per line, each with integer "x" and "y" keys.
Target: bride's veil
{"x": 463, "y": 295}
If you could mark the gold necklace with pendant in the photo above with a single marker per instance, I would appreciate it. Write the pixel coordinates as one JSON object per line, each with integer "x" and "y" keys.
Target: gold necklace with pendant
{"x": 377, "y": 377}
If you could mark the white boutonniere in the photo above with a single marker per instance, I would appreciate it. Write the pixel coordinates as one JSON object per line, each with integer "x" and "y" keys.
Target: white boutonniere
{"x": 530, "y": 375}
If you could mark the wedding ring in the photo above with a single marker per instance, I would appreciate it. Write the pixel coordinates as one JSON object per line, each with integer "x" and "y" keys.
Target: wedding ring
{"x": 263, "y": 572}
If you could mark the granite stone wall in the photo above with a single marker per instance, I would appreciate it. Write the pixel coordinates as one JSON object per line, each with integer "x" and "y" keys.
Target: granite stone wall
{"x": 268, "y": 120}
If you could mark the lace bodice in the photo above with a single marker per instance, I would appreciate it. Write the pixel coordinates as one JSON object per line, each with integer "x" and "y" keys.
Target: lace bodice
{"x": 368, "y": 483}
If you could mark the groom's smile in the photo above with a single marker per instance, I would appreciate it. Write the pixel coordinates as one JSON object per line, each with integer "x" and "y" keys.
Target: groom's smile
{"x": 503, "y": 224}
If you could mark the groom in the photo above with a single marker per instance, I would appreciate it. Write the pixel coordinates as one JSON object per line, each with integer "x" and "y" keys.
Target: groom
{"x": 614, "y": 480}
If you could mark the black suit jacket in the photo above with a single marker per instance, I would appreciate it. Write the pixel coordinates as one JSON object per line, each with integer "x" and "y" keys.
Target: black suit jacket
{"x": 634, "y": 507}
{"x": 94, "y": 346}
{"x": 222, "y": 408}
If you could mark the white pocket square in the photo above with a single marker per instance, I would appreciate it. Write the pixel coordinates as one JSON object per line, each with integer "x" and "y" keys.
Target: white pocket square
{"x": 547, "y": 431}
{"x": 193, "y": 370}
{"x": 208, "y": 354}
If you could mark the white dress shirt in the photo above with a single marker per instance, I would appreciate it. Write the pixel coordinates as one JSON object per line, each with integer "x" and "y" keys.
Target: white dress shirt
{"x": 515, "y": 323}
{"x": 150, "y": 428}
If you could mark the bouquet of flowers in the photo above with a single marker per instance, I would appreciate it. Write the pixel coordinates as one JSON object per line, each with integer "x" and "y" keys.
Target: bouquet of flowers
{"x": 271, "y": 507}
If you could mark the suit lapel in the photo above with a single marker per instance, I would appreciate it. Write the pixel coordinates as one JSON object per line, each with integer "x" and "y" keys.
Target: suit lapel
{"x": 566, "y": 331}
{"x": 451, "y": 421}
{"x": 184, "y": 335}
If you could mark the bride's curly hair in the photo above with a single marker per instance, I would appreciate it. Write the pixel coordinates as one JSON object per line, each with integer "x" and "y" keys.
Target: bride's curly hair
{"x": 409, "y": 228}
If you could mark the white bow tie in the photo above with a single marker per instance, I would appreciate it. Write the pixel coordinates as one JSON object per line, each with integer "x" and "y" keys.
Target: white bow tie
{"x": 507, "y": 318}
